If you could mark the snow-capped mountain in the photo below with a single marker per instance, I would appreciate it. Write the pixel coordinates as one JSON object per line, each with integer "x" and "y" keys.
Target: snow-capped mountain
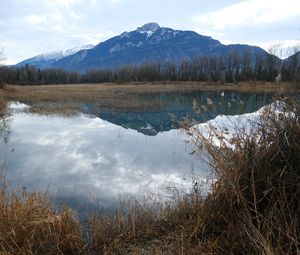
{"x": 148, "y": 43}
{"x": 45, "y": 60}
{"x": 148, "y": 29}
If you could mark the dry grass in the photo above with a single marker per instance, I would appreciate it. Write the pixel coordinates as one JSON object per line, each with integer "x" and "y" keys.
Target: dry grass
{"x": 11, "y": 89}
{"x": 28, "y": 225}
{"x": 254, "y": 207}
{"x": 2, "y": 99}
{"x": 89, "y": 90}
{"x": 2, "y": 102}
{"x": 164, "y": 230}
{"x": 121, "y": 96}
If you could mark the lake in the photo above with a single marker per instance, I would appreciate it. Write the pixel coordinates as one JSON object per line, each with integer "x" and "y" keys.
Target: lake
{"x": 93, "y": 160}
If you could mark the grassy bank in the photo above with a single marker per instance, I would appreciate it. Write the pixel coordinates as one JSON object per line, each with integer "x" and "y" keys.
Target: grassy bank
{"x": 253, "y": 208}
{"x": 67, "y": 98}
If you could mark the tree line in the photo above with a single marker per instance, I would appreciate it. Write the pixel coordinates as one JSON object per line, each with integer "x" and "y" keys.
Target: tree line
{"x": 233, "y": 67}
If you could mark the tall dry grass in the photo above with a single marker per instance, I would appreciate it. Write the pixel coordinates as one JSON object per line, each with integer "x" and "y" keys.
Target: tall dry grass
{"x": 4, "y": 90}
{"x": 2, "y": 101}
{"x": 28, "y": 225}
{"x": 254, "y": 205}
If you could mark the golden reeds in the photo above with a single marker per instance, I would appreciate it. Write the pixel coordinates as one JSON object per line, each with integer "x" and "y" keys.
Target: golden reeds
{"x": 2, "y": 101}
{"x": 28, "y": 225}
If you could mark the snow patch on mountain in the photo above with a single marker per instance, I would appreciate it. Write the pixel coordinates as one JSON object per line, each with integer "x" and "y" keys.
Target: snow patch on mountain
{"x": 149, "y": 29}
{"x": 56, "y": 55}
{"x": 76, "y": 49}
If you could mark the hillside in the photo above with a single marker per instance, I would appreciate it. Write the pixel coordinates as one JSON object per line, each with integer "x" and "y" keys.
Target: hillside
{"x": 148, "y": 43}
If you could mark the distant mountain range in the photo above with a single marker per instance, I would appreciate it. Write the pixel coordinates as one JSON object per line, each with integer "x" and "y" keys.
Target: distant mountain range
{"x": 47, "y": 59}
{"x": 149, "y": 43}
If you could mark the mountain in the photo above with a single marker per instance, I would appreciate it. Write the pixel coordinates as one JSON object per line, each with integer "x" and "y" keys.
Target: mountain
{"x": 290, "y": 68}
{"x": 46, "y": 60}
{"x": 149, "y": 43}
{"x": 293, "y": 59}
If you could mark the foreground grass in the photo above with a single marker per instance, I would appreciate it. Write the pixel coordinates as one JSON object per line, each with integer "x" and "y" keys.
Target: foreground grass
{"x": 29, "y": 226}
{"x": 253, "y": 208}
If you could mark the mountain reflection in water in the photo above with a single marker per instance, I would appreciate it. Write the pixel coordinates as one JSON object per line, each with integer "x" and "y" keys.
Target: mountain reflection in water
{"x": 179, "y": 105}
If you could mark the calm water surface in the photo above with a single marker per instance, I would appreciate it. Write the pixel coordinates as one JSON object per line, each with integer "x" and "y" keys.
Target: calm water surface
{"x": 89, "y": 161}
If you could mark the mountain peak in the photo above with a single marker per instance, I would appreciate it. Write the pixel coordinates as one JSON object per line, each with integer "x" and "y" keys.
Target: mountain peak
{"x": 148, "y": 27}
{"x": 148, "y": 43}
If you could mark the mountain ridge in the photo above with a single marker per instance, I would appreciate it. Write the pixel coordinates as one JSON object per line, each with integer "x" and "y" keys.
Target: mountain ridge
{"x": 148, "y": 43}
{"x": 46, "y": 59}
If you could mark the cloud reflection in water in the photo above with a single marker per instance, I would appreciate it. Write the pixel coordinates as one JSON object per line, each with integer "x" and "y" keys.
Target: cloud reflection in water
{"x": 81, "y": 159}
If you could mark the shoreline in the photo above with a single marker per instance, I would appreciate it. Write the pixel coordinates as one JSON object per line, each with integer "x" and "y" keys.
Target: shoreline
{"x": 66, "y": 98}
{"x": 157, "y": 86}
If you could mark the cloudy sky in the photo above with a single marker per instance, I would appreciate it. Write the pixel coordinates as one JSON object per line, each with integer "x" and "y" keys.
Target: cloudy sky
{"x": 32, "y": 27}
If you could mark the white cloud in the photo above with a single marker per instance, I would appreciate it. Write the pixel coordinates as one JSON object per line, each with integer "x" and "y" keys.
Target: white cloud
{"x": 36, "y": 20}
{"x": 249, "y": 13}
{"x": 66, "y": 3}
{"x": 255, "y": 22}
{"x": 115, "y": 1}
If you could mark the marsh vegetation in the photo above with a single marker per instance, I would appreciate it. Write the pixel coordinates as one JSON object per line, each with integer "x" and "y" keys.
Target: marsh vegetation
{"x": 253, "y": 205}
{"x": 127, "y": 96}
